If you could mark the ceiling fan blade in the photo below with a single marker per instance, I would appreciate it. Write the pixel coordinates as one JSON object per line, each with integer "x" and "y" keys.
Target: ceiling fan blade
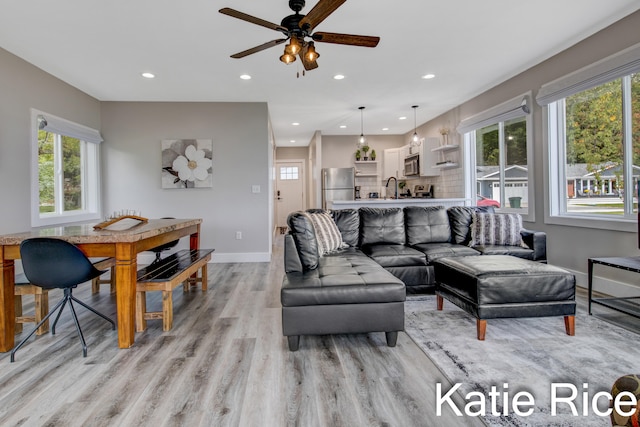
{"x": 252, "y": 19}
{"x": 308, "y": 65}
{"x": 350, "y": 39}
{"x": 319, "y": 13}
{"x": 264, "y": 46}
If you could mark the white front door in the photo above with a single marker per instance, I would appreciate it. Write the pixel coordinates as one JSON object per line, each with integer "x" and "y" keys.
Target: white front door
{"x": 289, "y": 190}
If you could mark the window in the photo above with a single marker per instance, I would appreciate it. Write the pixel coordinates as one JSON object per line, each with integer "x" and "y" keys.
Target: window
{"x": 65, "y": 171}
{"x": 498, "y": 157}
{"x": 288, "y": 172}
{"x": 594, "y": 143}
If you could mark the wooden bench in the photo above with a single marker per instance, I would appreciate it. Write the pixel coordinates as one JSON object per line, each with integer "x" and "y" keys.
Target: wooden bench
{"x": 103, "y": 265}
{"x": 41, "y": 303}
{"x": 165, "y": 275}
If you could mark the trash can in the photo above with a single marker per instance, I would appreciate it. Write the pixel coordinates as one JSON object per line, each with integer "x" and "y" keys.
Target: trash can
{"x": 514, "y": 202}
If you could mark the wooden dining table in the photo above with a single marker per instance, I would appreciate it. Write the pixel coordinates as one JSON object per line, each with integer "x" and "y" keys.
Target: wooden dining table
{"x": 121, "y": 244}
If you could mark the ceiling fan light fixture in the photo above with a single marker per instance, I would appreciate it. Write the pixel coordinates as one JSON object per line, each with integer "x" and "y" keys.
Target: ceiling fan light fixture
{"x": 287, "y": 58}
{"x": 311, "y": 55}
{"x": 296, "y": 28}
{"x": 293, "y": 47}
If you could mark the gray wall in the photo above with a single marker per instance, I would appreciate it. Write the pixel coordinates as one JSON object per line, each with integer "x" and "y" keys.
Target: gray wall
{"x": 292, "y": 153}
{"x": 131, "y": 155}
{"x": 22, "y": 87}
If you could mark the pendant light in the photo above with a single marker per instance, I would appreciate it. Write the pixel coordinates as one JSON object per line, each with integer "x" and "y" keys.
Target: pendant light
{"x": 415, "y": 139}
{"x": 361, "y": 140}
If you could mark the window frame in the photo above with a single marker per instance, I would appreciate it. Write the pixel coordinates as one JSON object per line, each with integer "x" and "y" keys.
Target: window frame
{"x": 554, "y": 142}
{"x": 514, "y": 108}
{"x": 90, "y": 170}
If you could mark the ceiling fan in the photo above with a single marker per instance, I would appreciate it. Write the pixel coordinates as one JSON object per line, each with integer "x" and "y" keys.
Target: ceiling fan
{"x": 297, "y": 28}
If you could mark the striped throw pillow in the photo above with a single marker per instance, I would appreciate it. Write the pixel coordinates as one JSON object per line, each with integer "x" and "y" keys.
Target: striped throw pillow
{"x": 496, "y": 229}
{"x": 327, "y": 233}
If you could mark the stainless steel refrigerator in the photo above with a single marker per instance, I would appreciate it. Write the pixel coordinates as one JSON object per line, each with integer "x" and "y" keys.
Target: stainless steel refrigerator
{"x": 337, "y": 184}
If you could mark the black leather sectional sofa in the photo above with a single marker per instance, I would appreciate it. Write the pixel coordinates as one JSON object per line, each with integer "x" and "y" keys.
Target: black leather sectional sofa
{"x": 406, "y": 241}
{"x": 362, "y": 288}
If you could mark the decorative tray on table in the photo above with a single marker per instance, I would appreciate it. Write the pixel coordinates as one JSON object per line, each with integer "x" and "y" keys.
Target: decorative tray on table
{"x": 137, "y": 220}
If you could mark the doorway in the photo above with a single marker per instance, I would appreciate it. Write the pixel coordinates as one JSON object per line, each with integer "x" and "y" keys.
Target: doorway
{"x": 290, "y": 193}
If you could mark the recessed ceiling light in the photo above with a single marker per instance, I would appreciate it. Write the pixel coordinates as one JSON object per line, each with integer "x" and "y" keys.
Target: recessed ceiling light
{"x": 245, "y": 77}
{"x": 385, "y": 128}
{"x": 148, "y": 75}
{"x": 292, "y": 141}
{"x": 402, "y": 118}
{"x": 338, "y": 77}
{"x": 428, "y": 76}
{"x": 295, "y": 124}
{"x": 343, "y": 126}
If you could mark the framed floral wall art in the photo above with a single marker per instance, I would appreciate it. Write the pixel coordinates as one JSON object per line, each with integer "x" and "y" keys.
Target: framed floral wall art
{"x": 187, "y": 163}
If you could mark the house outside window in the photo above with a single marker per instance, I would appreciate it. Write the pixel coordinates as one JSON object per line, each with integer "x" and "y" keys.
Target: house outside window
{"x": 498, "y": 160}
{"x": 593, "y": 122}
{"x": 65, "y": 171}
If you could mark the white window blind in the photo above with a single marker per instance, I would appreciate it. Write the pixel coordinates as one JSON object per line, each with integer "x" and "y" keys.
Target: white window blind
{"x": 515, "y": 107}
{"x": 610, "y": 68}
{"x": 61, "y": 126}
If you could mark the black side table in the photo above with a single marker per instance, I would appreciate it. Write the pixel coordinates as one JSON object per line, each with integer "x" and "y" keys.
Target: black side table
{"x": 625, "y": 305}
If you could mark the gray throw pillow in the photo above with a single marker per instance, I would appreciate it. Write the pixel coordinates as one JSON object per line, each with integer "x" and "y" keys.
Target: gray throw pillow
{"x": 496, "y": 229}
{"x": 328, "y": 236}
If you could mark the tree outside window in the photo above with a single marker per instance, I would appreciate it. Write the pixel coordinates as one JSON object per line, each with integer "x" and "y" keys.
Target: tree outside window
{"x": 59, "y": 172}
{"x": 595, "y": 152}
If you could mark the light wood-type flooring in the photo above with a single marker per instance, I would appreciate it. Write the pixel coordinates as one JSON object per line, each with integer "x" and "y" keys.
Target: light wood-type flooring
{"x": 224, "y": 363}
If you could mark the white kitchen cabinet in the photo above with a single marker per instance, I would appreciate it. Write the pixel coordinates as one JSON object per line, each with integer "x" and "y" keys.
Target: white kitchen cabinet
{"x": 392, "y": 163}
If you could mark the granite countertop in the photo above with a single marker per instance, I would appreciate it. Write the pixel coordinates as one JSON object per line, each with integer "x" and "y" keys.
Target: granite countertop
{"x": 84, "y": 233}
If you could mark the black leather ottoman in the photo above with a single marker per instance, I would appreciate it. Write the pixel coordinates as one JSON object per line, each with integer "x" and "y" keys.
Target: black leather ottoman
{"x": 499, "y": 286}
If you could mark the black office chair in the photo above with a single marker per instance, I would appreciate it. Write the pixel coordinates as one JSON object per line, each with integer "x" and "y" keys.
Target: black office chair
{"x": 159, "y": 249}
{"x": 54, "y": 263}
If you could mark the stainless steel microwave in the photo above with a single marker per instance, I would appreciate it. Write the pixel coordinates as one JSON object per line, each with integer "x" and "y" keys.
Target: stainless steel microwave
{"x": 412, "y": 165}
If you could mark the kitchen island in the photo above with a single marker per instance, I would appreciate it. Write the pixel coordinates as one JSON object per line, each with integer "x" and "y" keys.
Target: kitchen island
{"x": 396, "y": 203}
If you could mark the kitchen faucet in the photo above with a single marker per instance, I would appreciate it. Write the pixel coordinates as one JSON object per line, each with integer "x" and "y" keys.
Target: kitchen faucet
{"x": 396, "y": 179}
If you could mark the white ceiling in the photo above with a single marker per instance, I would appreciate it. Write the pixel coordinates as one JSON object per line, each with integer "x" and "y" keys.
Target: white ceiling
{"x": 102, "y": 47}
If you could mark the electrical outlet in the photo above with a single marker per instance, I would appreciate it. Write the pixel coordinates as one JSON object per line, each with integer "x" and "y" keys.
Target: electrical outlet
{"x": 238, "y": 235}
{"x": 255, "y": 188}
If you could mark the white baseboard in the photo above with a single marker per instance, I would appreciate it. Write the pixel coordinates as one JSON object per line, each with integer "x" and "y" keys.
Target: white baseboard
{"x": 606, "y": 286}
{"x": 241, "y": 257}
